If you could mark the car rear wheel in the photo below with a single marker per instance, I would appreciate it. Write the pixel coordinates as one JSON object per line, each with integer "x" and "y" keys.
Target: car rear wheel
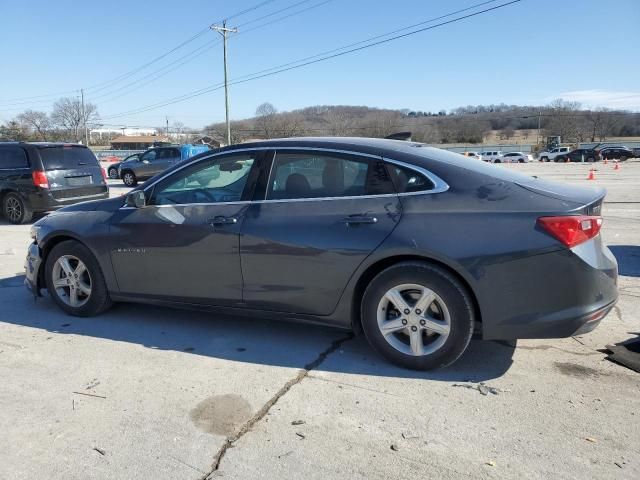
{"x": 113, "y": 173}
{"x": 129, "y": 179}
{"x": 623, "y": 158}
{"x": 75, "y": 281}
{"x": 591, "y": 159}
{"x": 417, "y": 316}
{"x": 15, "y": 209}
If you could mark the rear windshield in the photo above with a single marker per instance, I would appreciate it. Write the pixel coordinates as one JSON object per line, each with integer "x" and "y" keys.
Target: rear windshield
{"x": 66, "y": 157}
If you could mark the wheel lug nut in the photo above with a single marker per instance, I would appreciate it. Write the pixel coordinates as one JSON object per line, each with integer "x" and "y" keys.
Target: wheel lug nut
{"x": 423, "y": 323}
{"x": 407, "y": 311}
{"x": 418, "y": 311}
{"x": 404, "y": 321}
{"x": 414, "y": 329}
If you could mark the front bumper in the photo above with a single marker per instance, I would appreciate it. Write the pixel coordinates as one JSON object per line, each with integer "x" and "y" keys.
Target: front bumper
{"x": 32, "y": 267}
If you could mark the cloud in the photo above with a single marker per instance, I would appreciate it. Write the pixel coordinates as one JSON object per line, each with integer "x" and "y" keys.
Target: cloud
{"x": 604, "y": 98}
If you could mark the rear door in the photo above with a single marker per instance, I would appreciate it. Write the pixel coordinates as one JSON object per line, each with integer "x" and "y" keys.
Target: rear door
{"x": 72, "y": 170}
{"x": 324, "y": 213}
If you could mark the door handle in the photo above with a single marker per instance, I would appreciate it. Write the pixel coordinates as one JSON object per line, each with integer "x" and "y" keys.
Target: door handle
{"x": 220, "y": 220}
{"x": 359, "y": 219}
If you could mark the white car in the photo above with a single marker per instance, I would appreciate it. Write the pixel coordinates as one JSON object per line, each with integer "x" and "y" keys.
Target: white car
{"x": 553, "y": 153}
{"x": 492, "y": 156}
{"x": 516, "y": 157}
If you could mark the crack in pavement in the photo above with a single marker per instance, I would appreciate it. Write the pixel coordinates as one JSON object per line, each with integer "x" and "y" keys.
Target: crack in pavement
{"x": 259, "y": 415}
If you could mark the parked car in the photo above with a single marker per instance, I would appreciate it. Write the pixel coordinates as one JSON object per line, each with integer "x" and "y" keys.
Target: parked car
{"x": 156, "y": 160}
{"x": 41, "y": 177}
{"x": 516, "y": 157}
{"x": 617, "y": 153}
{"x": 547, "y": 156}
{"x": 580, "y": 155}
{"x": 475, "y": 155}
{"x": 492, "y": 157}
{"x": 112, "y": 171}
{"x": 402, "y": 241}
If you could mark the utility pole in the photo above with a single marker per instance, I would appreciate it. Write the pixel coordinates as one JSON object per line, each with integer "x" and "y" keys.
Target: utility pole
{"x": 539, "y": 118}
{"x": 166, "y": 119}
{"x": 84, "y": 119}
{"x": 224, "y": 31}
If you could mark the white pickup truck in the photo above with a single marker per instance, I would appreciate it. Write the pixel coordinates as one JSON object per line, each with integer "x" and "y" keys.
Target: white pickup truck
{"x": 545, "y": 156}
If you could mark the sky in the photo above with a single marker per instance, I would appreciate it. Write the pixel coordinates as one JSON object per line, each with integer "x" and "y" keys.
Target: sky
{"x": 530, "y": 52}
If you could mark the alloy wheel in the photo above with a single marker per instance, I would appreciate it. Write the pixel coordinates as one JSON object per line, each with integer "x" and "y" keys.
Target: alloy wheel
{"x": 113, "y": 173}
{"x": 13, "y": 209}
{"x": 414, "y": 319}
{"x": 128, "y": 179}
{"x": 71, "y": 280}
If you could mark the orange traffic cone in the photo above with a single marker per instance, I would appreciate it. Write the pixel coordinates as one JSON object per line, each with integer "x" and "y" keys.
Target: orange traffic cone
{"x": 617, "y": 166}
{"x": 591, "y": 175}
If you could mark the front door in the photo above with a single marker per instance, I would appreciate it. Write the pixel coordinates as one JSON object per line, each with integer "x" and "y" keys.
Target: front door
{"x": 324, "y": 213}
{"x": 183, "y": 245}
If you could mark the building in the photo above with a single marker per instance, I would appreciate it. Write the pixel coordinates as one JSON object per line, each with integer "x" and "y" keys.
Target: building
{"x": 137, "y": 142}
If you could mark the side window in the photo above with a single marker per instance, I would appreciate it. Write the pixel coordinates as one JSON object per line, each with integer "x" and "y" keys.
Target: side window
{"x": 13, "y": 158}
{"x": 216, "y": 180}
{"x": 321, "y": 175}
{"x": 408, "y": 180}
{"x": 149, "y": 156}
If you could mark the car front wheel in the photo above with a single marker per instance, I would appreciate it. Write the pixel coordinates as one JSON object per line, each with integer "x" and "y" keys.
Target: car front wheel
{"x": 113, "y": 173}
{"x": 417, "y": 315}
{"x": 75, "y": 281}
{"x": 129, "y": 179}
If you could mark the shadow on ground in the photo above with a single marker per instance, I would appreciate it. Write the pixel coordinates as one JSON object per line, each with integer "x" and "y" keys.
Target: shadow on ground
{"x": 628, "y": 257}
{"x": 238, "y": 339}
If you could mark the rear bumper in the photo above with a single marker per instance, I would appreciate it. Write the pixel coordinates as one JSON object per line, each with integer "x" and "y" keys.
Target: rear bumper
{"x": 44, "y": 201}
{"x": 553, "y": 295}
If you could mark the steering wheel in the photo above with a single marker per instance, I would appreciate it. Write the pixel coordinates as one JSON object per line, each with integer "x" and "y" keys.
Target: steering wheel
{"x": 205, "y": 193}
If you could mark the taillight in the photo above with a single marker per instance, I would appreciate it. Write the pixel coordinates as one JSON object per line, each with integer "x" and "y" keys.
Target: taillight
{"x": 40, "y": 179}
{"x": 104, "y": 174}
{"x": 572, "y": 230}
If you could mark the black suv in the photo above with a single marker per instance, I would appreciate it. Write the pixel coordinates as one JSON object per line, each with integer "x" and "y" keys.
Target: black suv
{"x": 40, "y": 177}
{"x": 580, "y": 155}
{"x": 621, "y": 153}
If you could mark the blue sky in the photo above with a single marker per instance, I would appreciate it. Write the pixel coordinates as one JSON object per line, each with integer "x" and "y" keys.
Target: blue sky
{"x": 527, "y": 53}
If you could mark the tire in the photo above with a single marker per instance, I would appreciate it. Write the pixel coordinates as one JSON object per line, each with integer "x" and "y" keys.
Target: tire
{"x": 15, "y": 210}
{"x": 497, "y": 161}
{"x": 129, "y": 178}
{"x": 113, "y": 173}
{"x": 623, "y": 158}
{"x": 591, "y": 159}
{"x": 544, "y": 159}
{"x": 451, "y": 309}
{"x": 86, "y": 305}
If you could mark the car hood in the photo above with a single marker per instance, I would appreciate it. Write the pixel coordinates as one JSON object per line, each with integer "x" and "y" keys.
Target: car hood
{"x": 108, "y": 205}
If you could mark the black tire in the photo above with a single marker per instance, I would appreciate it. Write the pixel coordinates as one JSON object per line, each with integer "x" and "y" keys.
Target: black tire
{"x": 591, "y": 159}
{"x": 623, "y": 158}
{"x": 113, "y": 173}
{"x": 98, "y": 301}
{"x": 454, "y": 295}
{"x": 129, "y": 178}
{"x": 15, "y": 210}
{"x": 497, "y": 161}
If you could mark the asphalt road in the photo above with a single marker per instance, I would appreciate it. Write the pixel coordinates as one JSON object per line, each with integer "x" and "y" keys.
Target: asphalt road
{"x": 150, "y": 393}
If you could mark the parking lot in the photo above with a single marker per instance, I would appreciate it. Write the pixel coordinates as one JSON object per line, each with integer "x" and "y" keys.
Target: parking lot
{"x": 151, "y": 393}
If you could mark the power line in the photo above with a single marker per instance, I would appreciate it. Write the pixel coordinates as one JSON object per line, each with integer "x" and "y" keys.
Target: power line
{"x": 297, "y": 64}
{"x": 101, "y": 86}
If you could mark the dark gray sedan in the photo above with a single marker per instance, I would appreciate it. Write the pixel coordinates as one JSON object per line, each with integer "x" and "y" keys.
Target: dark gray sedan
{"x": 415, "y": 246}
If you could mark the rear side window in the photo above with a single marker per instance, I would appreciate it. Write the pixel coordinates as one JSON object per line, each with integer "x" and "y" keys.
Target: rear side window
{"x": 66, "y": 157}
{"x": 13, "y": 157}
{"x": 311, "y": 175}
{"x": 407, "y": 180}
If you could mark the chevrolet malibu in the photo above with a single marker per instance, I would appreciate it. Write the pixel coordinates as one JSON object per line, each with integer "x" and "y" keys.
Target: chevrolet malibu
{"x": 414, "y": 246}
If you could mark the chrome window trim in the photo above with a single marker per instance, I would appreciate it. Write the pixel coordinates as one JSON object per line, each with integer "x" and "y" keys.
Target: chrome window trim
{"x": 440, "y": 185}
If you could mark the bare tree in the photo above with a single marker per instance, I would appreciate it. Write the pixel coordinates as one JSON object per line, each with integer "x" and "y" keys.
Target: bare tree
{"x": 340, "y": 122}
{"x": 266, "y": 113}
{"x": 563, "y": 120}
{"x": 67, "y": 114}
{"x": 38, "y": 122}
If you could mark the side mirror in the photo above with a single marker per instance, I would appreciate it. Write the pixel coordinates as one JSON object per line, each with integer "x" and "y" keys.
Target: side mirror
{"x": 135, "y": 199}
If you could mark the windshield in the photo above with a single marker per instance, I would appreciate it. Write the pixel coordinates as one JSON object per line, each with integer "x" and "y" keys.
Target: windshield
{"x": 66, "y": 157}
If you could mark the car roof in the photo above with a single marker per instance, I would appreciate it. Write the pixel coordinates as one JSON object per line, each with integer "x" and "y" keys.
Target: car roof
{"x": 45, "y": 144}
